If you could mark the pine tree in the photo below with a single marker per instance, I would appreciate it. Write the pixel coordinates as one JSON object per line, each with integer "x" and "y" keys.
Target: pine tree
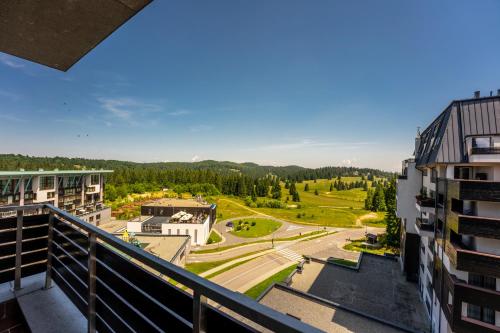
{"x": 306, "y": 187}
{"x": 295, "y": 196}
{"x": 331, "y": 187}
{"x": 292, "y": 188}
{"x": 276, "y": 191}
{"x": 254, "y": 194}
{"x": 393, "y": 223}
{"x": 316, "y": 192}
{"x": 365, "y": 186}
{"x": 369, "y": 200}
{"x": 379, "y": 199}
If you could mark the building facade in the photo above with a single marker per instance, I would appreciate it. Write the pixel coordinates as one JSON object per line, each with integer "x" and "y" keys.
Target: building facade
{"x": 175, "y": 217}
{"x": 451, "y": 234}
{"x": 79, "y": 192}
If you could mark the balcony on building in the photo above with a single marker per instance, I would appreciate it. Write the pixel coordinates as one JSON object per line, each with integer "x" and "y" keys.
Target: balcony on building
{"x": 404, "y": 169}
{"x": 467, "y": 221}
{"x": 466, "y": 257}
{"x": 94, "y": 281}
{"x": 425, "y": 204}
{"x": 425, "y": 226}
{"x": 459, "y": 294}
{"x": 483, "y": 149}
{"x": 474, "y": 190}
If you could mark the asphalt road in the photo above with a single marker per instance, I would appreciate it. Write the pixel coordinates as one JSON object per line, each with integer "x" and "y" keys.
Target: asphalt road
{"x": 243, "y": 277}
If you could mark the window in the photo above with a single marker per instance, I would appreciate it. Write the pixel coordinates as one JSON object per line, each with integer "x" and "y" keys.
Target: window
{"x": 169, "y": 232}
{"x": 51, "y": 195}
{"x": 481, "y": 142}
{"x": 178, "y": 231}
{"x": 91, "y": 219}
{"x": 98, "y": 217}
{"x": 94, "y": 179}
{"x": 433, "y": 175}
{"x": 462, "y": 172}
{"x": 187, "y": 231}
{"x": 47, "y": 183}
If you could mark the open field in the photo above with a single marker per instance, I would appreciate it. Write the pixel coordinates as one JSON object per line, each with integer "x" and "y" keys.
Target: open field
{"x": 251, "y": 227}
{"x": 329, "y": 208}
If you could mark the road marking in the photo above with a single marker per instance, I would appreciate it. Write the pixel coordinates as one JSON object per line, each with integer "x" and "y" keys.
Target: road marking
{"x": 293, "y": 227}
{"x": 289, "y": 254}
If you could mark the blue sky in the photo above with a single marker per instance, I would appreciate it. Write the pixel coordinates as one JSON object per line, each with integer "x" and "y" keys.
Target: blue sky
{"x": 312, "y": 83}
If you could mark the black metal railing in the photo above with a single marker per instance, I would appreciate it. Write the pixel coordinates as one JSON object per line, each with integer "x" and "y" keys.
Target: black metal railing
{"x": 425, "y": 224}
{"x": 425, "y": 201}
{"x": 111, "y": 283}
{"x": 485, "y": 150}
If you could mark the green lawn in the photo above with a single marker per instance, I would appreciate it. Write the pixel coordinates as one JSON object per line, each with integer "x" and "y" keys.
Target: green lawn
{"x": 329, "y": 208}
{"x": 357, "y": 246}
{"x": 259, "y": 288}
{"x": 214, "y": 238}
{"x": 251, "y": 228}
{"x": 318, "y": 234}
{"x": 200, "y": 267}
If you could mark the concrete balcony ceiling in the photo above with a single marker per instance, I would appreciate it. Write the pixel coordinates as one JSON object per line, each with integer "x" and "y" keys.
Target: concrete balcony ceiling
{"x": 58, "y": 33}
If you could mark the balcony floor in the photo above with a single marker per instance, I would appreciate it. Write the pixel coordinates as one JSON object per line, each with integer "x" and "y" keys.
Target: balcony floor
{"x": 45, "y": 310}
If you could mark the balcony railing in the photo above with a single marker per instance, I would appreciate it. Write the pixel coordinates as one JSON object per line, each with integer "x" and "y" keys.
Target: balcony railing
{"x": 475, "y": 225}
{"x": 101, "y": 275}
{"x": 467, "y": 259}
{"x": 485, "y": 150}
{"x": 465, "y": 293}
{"x": 477, "y": 190}
{"x": 425, "y": 202}
{"x": 425, "y": 225}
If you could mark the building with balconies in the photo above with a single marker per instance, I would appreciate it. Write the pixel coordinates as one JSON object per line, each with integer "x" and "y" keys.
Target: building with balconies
{"x": 457, "y": 158}
{"x": 79, "y": 192}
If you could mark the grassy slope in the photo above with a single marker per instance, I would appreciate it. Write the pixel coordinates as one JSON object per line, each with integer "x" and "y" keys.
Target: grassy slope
{"x": 336, "y": 208}
{"x": 262, "y": 227}
{"x": 259, "y": 288}
{"x": 214, "y": 238}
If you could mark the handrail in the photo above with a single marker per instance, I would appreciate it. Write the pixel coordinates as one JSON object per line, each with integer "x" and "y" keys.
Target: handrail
{"x": 202, "y": 288}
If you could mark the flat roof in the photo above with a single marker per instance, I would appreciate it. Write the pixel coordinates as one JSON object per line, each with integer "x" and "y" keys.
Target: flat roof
{"x": 323, "y": 316}
{"x": 176, "y": 203}
{"x": 52, "y": 172}
{"x": 377, "y": 289}
{"x": 166, "y": 247}
{"x": 59, "y": 33}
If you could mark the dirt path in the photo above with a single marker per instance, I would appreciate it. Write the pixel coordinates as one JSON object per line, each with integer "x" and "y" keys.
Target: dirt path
{"x": 359, "y": 220}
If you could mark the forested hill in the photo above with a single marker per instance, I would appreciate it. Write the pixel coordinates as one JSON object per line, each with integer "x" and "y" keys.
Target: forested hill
{"x": 16, "y": 162}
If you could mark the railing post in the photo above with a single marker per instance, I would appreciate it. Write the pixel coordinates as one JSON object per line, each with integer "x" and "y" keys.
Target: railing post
{"x": 91, "y": 300}
{"x": 199, "y": 312}
{"x": 19, "y": 250}
{"x": 50, "y": 238}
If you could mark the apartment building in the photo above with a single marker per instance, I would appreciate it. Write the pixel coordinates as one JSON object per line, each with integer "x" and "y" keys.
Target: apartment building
{"x": 79, "y": 192}
{"x": 448, "y": 199}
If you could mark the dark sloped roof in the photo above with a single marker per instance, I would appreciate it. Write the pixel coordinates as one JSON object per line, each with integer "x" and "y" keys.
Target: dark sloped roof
{"x": 58, "y": 33}
{"x": 443, "y": 141}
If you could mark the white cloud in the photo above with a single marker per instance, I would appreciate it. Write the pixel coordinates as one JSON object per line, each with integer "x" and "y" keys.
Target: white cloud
{"x": 11, "y": 118}
{"x": 126, "y": 108}
{"x": 200, "y": 128}
{"x": 178, "y": 113}
{"x": 195, "y": 158}
{"x": 10, "y": 61}
{"x": 349, "y": 162}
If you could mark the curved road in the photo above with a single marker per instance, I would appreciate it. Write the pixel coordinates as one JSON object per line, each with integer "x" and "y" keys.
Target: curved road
{"x": 242, "y": 277}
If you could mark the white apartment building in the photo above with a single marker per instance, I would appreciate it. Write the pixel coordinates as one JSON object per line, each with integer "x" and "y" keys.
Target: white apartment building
{"x": 79, "y": 192}
{"x": 448, "y": 199}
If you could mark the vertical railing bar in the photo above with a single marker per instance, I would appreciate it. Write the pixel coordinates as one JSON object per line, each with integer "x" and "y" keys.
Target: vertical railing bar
{"x": 48, "y": 273}
{"x": 19, "y": 250}
{"x": 199, "y": 312}
{"x": 91, "y": 301}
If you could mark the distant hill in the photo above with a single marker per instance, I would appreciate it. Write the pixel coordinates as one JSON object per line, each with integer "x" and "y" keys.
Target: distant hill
{"x": 16, "y": 162}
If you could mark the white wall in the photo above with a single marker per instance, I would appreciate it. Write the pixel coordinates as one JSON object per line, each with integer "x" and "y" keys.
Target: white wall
{"x": 407, "y": 190}
{"x": 199, "y": 232}
{"x": 134, "y": 226}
